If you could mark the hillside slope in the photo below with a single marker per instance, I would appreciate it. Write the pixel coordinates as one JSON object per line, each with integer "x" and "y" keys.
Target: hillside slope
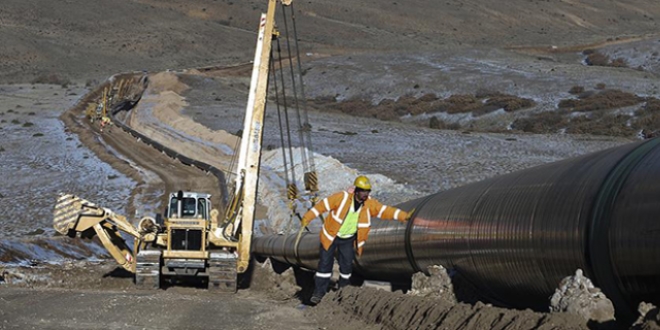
{"x": 81, "y": 39}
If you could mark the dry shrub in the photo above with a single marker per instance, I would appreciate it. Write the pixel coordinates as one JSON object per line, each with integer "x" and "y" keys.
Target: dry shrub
{"x": 576, "y": 90}
{"x": 353, "y": 106}
{"x": 407, "y": 99}
{"x": 405, "y": 105}
{"x": 510, "y": 103}
{"x": 610, "y": 125}
{"x": 619, "y": 62}
{"x": 460, "y": 103}
{"x": 652, "y": 105}
{"x": 544, "y": 122}
{"x": 420, "y": 108}
{"x": 386, "y": 110}
{"x": 648, "y": 122}
{"x": 389, "y": 109}
{"x": 568, "y": 103}
{"x": 409, "y": 104}
{"x": 387, "y": 103}
{"x": 436, "y": 123}
{"x": 363, "y": 108}
{"x": 600, "y": 86}
{"x": 430, "y": 97}
{"x": 608, "y": 99}
{"x": 597, "y": 59}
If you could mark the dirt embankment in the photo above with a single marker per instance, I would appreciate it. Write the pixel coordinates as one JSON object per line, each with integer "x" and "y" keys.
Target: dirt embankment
{"x": 399, "y": 311}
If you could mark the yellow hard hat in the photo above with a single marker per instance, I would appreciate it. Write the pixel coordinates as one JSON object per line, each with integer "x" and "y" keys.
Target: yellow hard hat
{"x": 362, "y": 182}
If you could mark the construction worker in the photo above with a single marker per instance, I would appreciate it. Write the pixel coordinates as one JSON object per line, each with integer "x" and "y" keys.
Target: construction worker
{"x": 105, "y": 121}
{"x": 345, "y": 230}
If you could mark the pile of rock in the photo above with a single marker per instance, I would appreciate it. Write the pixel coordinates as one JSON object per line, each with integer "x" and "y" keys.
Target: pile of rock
{"x": 577, "y": 295}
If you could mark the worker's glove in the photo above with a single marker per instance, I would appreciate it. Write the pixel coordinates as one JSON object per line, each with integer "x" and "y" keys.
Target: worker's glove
{"x": 410, "y": 214}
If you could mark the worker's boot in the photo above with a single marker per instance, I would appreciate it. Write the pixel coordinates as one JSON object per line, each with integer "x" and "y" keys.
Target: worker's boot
{"x": 316, "y": 298}
{"x": 343, "y": 282}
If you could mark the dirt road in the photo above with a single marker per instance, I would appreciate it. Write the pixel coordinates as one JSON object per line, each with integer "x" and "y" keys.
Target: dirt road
{"x": 93, "y": 309}
{"x": 155, "y": 172}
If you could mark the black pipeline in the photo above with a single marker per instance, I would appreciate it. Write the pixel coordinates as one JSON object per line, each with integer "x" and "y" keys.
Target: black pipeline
{"x": 516, "y": 236}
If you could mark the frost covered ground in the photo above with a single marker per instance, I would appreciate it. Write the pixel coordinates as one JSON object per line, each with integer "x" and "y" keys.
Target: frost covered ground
{"x": 41, "y": 158}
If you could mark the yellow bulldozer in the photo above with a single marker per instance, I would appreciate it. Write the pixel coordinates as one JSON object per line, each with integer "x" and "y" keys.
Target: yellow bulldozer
{"x": 188, "y": 242}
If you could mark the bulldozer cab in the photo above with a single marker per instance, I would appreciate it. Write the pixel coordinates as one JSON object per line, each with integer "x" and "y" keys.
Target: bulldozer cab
{"x": 189, "y": 205}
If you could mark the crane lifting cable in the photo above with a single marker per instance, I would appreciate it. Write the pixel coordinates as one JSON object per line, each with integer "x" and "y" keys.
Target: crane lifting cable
{"x": 311, "y": 178}
{"x": 292, "y": 190}
{"x": 295, "y": 94}
{"x": 279, "y": 120}
{"x": 296, "y": 86}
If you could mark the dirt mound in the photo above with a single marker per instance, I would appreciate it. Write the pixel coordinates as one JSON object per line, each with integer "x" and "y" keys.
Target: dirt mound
{"x": 399, "y": 311}
{"x": 277, "y": 286}
{"x": 165, "y": 81}
{"x": 164, "y": 102}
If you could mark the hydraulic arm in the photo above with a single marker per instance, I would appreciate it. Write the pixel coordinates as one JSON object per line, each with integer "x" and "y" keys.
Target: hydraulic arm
{"x": 76, "y": 215}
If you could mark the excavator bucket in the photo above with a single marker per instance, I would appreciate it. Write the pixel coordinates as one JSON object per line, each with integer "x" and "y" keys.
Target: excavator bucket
{"x": 73, "y": 215}
{"x": 69, "y": 210}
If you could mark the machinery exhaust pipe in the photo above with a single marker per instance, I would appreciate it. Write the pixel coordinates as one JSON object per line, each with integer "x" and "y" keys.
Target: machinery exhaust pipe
{"x": 516, "y": 236}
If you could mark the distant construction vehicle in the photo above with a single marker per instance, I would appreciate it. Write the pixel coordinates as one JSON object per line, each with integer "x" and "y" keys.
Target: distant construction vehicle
{"x": 191, "y": 240}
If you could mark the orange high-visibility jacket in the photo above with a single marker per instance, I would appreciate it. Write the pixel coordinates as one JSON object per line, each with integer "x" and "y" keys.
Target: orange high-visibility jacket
{"x": 338, "y": 205}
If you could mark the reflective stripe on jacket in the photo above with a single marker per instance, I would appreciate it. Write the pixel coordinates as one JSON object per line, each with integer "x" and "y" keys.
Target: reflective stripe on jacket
{"x": 338, "y": 206}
